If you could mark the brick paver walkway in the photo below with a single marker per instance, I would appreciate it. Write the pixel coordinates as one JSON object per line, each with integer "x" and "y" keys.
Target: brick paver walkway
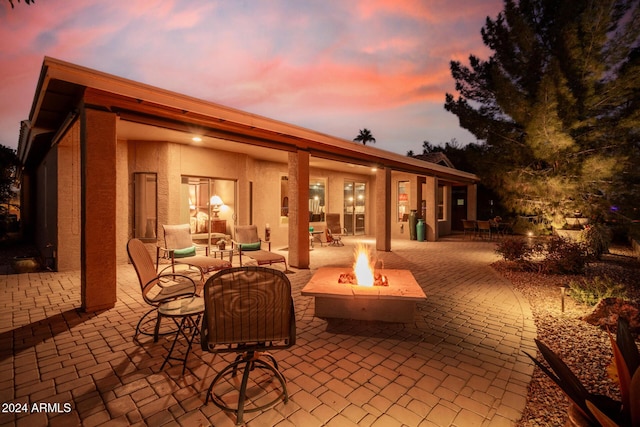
{"x": 461, "y": 363}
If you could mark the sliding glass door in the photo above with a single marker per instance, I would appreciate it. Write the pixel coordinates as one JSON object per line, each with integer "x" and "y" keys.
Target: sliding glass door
{"x": 354, "y": 207}
{"x": 208, "y": 206}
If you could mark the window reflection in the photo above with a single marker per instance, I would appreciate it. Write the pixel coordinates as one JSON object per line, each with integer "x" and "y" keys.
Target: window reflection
{"x": 403, "y": 201}
{"x": 145, "y": 205}
{"x": 316, "y": 199}
{"x": 208, "y": 205}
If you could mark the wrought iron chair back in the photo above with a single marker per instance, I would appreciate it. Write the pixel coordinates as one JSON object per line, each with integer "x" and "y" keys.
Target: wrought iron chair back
{"x": 248, "y": 310}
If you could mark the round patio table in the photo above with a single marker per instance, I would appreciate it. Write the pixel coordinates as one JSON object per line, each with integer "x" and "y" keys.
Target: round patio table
{"x": 186, "y": 313}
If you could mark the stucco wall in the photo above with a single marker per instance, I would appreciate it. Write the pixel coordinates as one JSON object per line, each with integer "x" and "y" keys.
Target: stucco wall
{"x": 57, "y": 222}
{"x": 172, "y": 161}
{"x": 46, "y": 200}
{"x": 69, "y": 200}
{"x": 124, "y": 187}
{"x": 266, "y": 178}
{"x": 400, "y": 230}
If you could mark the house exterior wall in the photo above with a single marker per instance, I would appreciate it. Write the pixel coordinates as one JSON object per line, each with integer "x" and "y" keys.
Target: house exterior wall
{"x": 266, "y": 179}
{"x": 67, "y": 236}
{"x": 124, "y": 191}
{"x": 444, "y": 226}
{"x": 170, "y": 162}
{"x": 57, "y": 193}
{"x": 46, "y": 198}
{"x": 421, "y": 188}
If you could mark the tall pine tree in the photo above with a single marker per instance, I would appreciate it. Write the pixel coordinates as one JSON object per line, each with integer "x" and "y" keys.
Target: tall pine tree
{"x": 557, "y": 105}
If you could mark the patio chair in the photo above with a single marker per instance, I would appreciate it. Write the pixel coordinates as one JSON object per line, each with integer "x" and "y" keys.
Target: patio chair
{"x": 156, "y": 288}
{"x": 180, "y": 249}
{"x": 249, "y": 245}
{"x": 484, "y": 229}
{"x": 469, "y": 227}
{"x": 334, "y": 230}
{"x": 248, "y": 311}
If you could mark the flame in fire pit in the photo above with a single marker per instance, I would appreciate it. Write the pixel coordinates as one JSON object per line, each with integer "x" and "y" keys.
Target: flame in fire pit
{"x": 363, "y": 273}
{"x": 362, "y": 268}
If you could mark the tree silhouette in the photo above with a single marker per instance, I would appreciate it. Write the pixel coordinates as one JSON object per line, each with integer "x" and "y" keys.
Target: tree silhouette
{"x": 365, "y": 136}
{"x": 557, "y": 105}
{"x": 8, "y": 164}
{"x": 26, "y": 1}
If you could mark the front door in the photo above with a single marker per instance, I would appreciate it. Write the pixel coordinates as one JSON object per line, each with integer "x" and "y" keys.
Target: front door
{"x": 459, "y": 207}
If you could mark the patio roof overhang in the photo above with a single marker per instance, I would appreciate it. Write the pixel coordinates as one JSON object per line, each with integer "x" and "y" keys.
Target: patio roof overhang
{"x": 64, "y": 88}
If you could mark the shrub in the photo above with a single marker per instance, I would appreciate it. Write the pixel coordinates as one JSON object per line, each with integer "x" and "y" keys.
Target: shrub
{"x": 564, "y": 256}
{"x": 596, "y": 239}
{"x": 558, "y": 256}
{"x": 514, "y": 249}
{"x": 591, "y": 292}
{"x": 634, "y": 231}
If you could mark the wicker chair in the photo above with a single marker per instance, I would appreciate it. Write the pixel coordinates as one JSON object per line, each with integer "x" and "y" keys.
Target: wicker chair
{"x": 156, "y": 288}
{"x": 248, "y": 311}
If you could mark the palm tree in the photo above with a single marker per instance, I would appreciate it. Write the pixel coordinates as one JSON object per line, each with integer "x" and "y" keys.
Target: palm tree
{"x": 365, "y": 136}
{"x": 26, "y": 1}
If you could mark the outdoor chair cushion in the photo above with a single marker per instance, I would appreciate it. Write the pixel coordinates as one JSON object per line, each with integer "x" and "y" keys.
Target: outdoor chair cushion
{"x": 183, "y": 253}
{"x": 250, "y": 246}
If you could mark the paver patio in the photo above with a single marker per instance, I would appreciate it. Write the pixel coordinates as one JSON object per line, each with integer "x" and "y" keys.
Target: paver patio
{"x": 461, "y": 363}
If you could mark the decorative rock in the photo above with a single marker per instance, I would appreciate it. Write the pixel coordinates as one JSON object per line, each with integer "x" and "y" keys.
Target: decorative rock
{"x": 608, "y": 310}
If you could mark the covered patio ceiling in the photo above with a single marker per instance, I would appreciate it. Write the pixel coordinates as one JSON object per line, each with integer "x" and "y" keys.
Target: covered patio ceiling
{"x": 150, "y": 113}
{"x": 141, "y": 132}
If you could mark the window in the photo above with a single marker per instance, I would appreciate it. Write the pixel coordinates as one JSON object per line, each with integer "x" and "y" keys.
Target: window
{"x": 316, "y": 199}
{"x": 208, "y": 205}
{"x": 145, "y": 205}
{"x": 441, "y": 202}
{"x": 403, "y": 201}
{"x": 284, "y": 196}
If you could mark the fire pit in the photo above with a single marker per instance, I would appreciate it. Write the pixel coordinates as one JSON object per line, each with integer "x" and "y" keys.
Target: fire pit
{"x": 393, "y": 303}
{"x": 386, "y": 295}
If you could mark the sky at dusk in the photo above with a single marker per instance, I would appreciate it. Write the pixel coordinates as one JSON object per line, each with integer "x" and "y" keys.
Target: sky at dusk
{"x": 332, "y": 66}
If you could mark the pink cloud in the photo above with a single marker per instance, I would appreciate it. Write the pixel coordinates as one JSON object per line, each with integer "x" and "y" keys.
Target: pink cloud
{"x": 295, "y": 58}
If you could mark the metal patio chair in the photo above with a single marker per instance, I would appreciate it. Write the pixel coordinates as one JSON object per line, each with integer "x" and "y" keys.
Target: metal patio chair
{"x": 469, "y": 227}
{"x": 180, "y": 249}
{"x": 248, "y": 311}
{"x": 334, "y": 230}
{"x": 484, "y": 229}
{"x": 249, "y": 245}
{"x": 156, "y": 288}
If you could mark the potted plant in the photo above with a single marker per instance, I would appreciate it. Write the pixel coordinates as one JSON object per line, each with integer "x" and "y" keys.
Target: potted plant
{"x": 596, "y": 410}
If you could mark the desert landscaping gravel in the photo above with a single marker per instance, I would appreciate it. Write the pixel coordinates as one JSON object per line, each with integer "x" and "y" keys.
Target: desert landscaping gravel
{"x": 584, "y": 348}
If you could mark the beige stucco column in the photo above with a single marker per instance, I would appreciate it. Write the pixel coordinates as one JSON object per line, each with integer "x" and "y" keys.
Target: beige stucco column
{"x": 98, "y": 209}
{"x": 416, "y": 194}
{"x": 383, "y": 209}
{"x": 472, "y": 201}
{"x": 299, "y": 209}
{"x": 431, "y": 220}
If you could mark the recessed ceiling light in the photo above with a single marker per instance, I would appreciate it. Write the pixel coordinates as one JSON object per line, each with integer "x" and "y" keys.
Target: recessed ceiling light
{"x": 196, "y": 139}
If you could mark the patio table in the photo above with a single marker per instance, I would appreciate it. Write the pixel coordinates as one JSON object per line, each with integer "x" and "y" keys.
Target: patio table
{"x": 186, "y": 313}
